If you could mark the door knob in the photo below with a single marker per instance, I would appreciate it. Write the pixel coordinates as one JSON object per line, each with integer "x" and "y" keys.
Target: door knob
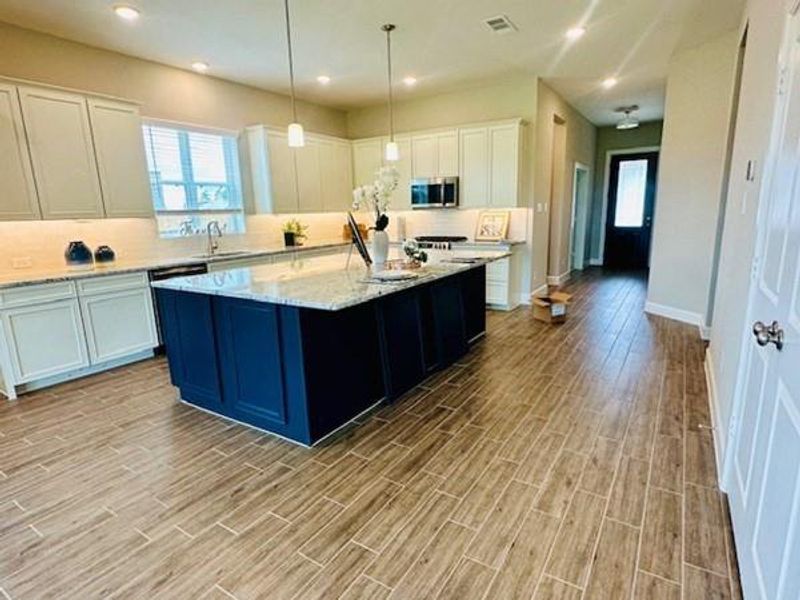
{"x": 772, "y": 334}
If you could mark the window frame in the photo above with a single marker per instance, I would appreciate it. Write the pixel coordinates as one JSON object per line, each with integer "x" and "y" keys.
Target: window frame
{"x": 233, "y": 175}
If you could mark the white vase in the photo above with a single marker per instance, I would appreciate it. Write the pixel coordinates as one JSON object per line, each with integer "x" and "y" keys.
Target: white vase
{"x": 380, "y": 248}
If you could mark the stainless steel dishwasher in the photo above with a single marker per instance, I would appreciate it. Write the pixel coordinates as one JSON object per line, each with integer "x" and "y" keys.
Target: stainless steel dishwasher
{"x": 169, "y": 273}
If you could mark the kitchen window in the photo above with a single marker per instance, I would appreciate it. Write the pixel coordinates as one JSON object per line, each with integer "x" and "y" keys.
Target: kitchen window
{"x": 194, "y": 179}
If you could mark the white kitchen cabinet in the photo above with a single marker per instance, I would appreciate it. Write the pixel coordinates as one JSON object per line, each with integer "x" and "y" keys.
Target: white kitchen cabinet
{"x": 43, "y": 332}
{"x": 309, "y": 176}
{"x": 490, "y": 165}
{"x": 447, "y": 146}
{"x": 20, "y": 200}
{"x": 62, "y": 153}
{"x": 119, "y": 146}
{"x": 504, "y": 146}
{"x": 118, "y": 316}
{"x": 273, "y": 171}
{"x": 435, "y": 154}
{"x": 367, "y": 160}
{"x": 474, "y": 181}
{"x": 336, "y": 172}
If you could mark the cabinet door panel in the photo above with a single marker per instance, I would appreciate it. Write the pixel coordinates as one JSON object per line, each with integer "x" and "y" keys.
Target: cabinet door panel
{"x": 336, "y": 176}
{"x": 45, "y": 339}
{"x": 119, "y": 324}
{"x": 309, "y": 190}
{"x": 19, "y": 192}
{"x": 282, "y": 173}
{"x": 367, "y": 159}
{"x": 119, "y": 144}
{"x": 474, "y": 179}
{"x": 424, "y": 156}
{"x": 62, "y": 154}
{"x": 504, "y": 144}
{"x": 448, "y": 154}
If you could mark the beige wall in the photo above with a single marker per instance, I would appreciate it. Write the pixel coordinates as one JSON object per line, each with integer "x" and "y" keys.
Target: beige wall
{"x": 495, "y": 101}
{"x": 165, "y": 92}
{"x": 610, "y": 139}
{"x": 764, "y": 20}
{"x": 693, "y": 151}
{"x": 579, "y": 146}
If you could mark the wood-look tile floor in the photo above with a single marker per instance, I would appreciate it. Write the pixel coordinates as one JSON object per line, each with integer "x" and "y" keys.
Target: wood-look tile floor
{"x": 554, "y": 462}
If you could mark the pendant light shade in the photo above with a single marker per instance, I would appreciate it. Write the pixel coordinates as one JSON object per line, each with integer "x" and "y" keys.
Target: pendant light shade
{"x": 297, "y": 138}
{"x": 392, "y": 152}
{"x": 628, "y": 121}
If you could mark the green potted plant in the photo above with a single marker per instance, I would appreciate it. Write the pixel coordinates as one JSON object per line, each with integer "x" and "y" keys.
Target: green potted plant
{"x": 294, "y": 232}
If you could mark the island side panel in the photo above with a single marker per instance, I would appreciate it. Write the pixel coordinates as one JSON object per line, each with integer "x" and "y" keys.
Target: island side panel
{"x": 473, "y": 288}
{"x": 187, "y": 325}
{"x": 342, "y": 365}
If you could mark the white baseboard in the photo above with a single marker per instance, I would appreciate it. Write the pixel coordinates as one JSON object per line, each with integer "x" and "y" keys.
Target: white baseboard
{"x": 705, "y": 332}
{"x": 676, "y": 314}
{"x": 559, "y": 279}
{"x": 596, "y": 262}
{"x": 720, "y": 431}
{"x": 542, "y": 289}
{"x": 526, "y": 298}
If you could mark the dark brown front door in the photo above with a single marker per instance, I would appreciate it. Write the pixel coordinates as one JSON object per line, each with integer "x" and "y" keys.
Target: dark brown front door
{"x": 631, "y": 199}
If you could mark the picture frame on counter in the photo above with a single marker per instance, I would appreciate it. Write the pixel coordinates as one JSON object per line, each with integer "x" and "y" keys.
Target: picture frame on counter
{"x": 492, "y": 226}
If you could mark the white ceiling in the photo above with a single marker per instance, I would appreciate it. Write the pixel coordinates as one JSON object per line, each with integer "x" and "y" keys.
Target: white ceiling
{"x": 444, "y": 43}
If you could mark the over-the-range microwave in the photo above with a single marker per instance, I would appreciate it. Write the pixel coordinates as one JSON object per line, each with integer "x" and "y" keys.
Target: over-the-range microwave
{"x": 439, "y": 192}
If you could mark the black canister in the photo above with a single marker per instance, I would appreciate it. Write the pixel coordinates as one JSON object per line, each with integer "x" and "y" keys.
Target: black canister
{"x": 104, "y": 254}
{"x": 78, "y": 254}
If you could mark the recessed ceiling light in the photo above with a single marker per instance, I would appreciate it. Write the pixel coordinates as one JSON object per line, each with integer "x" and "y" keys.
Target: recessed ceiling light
{"x": 575, "y": 33}
{"x": 610, "y": 82}
{"x": 200, "y": 66}
{"x": 324, "y": 79}
{"x": 126, "y": 12}
{"x": 410, "y": 81}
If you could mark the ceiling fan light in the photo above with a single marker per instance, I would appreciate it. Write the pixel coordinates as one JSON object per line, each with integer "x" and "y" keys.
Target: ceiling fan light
{"x": 628, "y": 122}
{"x": 296, "y": 135}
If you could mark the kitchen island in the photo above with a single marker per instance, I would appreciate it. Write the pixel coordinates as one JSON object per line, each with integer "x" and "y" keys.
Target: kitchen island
{"x": 301, "y": 349}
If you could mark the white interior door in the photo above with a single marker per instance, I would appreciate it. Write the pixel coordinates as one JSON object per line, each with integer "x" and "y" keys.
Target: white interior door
{"x": 764, "y": 482}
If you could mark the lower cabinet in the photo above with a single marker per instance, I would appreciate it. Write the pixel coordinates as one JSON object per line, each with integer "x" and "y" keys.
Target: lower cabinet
{"x": 44, "y": 340}
{"x": 56, "y": 329}
{"x": 118, "y": 323}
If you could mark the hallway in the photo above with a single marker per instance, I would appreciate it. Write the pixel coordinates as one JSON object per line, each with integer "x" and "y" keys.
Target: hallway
{"x": 554, "y": 462}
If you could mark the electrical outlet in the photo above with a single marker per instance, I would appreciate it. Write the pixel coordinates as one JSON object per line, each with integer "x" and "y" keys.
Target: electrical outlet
{"x": 21, "y": 262}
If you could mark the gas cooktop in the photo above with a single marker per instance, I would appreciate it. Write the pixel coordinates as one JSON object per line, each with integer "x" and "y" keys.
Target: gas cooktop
{"x": 441, "y": 238}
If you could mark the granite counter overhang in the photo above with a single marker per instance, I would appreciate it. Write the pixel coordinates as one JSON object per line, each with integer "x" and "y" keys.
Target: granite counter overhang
{"x": 323, "y": 283}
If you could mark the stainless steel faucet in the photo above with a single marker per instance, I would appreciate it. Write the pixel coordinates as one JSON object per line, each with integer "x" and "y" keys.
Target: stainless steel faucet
{"x": 212, "y": 229}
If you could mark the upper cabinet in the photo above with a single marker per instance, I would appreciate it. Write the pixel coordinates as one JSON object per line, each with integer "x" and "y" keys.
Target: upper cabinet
{"x": 20, "y": 200}
{"x": 367, "y": 159}
{"x": 490, "y": 165}
{"x": 434, "y": 154}
{"x": 314, "y": 178}
{"x": 70, "y": 156}
{"x": 62, "y": 153}
{"x": 119, "y": 146}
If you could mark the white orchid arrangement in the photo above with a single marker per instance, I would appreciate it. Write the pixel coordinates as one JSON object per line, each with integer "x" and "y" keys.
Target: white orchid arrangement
{"x": 377, "y": 196}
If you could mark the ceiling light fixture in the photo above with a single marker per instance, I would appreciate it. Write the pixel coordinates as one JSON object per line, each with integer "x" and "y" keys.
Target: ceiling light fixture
{"x": 628, "y": 121}
{"x": 575, "y": 33}
{"x": 410, "y": 81}
{"x": 296, "y": 136}
{"x": 128, "y": 13}
{"x": 610, "y": 82}
{"x": 323, "y": 79}
{"x": 200, "y": 66}
{"x": 392, "y": 150}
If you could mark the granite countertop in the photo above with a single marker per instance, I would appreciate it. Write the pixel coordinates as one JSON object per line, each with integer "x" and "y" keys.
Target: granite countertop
{"x": 64, "y": 273}
{"x": 324, "y": 283}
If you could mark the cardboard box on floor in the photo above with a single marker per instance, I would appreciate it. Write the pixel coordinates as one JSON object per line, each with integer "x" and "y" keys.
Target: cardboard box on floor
{"x": 551, "y": 308}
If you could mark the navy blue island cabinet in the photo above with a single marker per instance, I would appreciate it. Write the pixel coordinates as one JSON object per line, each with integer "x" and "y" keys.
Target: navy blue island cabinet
{"x": 302, "y": 373}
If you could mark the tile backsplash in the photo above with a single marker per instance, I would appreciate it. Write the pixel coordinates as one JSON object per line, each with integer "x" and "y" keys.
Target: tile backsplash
{"x": 40, "y": 244}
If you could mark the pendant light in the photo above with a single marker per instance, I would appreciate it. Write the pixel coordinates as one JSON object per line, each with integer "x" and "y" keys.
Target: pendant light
{"x": 392, "y": 153}
{"x": 295, "y": 131}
